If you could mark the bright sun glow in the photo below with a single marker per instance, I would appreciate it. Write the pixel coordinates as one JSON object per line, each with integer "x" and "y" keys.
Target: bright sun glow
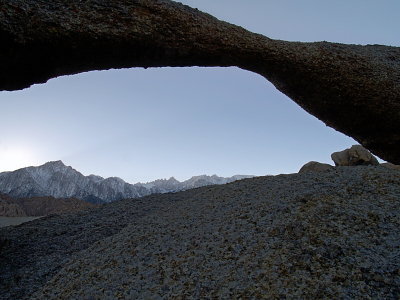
{"x": 12, "y": 158}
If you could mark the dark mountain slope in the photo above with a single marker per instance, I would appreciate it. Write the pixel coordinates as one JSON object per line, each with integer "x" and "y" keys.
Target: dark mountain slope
{"x": 39, "y": 206}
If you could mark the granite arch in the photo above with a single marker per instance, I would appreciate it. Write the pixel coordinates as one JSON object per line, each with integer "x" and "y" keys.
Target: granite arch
{"x": 352, "y": 88}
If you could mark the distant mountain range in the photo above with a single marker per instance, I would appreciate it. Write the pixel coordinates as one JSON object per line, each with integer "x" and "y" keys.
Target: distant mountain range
{"x": 60, "y": 181}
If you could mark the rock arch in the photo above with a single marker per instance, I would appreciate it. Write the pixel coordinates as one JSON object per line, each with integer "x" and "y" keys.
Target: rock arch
{"x": 354, "y": 89}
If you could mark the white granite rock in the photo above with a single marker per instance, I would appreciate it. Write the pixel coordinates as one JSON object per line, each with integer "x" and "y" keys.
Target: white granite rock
{"x": 354, "y": 156}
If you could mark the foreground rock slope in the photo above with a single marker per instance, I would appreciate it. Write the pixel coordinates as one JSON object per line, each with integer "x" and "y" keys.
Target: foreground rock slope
{"x": 312, "y": 235}
{"x": 352, "y": 88}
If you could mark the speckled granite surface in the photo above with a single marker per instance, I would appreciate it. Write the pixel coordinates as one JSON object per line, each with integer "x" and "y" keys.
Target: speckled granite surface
{"x": 314, "y": 235}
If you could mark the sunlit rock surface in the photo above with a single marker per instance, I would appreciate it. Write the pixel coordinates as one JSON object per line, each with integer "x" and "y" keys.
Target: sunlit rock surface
{"x": 354, "y": 156}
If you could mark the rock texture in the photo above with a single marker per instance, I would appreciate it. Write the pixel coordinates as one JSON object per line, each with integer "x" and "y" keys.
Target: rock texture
{"x": 354, "y": 156}
{"x": 314, "y": 166}
{"x": 354, "y": 89}
{"x": 327, "y": 235}
{"x": 391, "y": 166}
{"x": 60, "y": 181}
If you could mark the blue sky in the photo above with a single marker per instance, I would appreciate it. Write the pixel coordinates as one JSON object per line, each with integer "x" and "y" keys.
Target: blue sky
{"x": 141, "y": 125}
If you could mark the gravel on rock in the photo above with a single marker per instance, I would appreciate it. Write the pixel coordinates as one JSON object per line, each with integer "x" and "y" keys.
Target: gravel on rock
{"x": 332, "y": 234}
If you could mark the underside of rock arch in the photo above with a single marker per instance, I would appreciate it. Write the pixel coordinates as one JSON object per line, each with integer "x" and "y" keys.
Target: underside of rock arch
{"x": 354, "y": 89}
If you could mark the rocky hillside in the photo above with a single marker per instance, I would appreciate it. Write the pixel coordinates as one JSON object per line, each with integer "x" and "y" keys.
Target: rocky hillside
{"x": 60, "y": 181}
{"x": 8, "y": 207}
{"x": 332, "y": 234}
{"x": 39, "y": 206}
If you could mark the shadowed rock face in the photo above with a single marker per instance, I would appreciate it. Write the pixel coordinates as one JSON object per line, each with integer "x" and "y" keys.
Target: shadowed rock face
{"x": 354, "y": 89}
{"x": 314, "y": 166}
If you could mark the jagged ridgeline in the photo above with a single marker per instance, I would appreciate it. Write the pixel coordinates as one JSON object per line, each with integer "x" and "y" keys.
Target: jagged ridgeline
{"x": 60, "y": 181}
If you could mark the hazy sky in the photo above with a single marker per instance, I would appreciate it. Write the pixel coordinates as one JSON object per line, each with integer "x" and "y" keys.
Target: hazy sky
{"x": 141, "y": 125}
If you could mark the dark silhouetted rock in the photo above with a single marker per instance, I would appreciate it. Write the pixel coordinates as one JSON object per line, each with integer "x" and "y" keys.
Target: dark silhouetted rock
{"x": 352, "y": 88}
{"x": 314, "y": 166}
{"x": 354, "y": 156}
